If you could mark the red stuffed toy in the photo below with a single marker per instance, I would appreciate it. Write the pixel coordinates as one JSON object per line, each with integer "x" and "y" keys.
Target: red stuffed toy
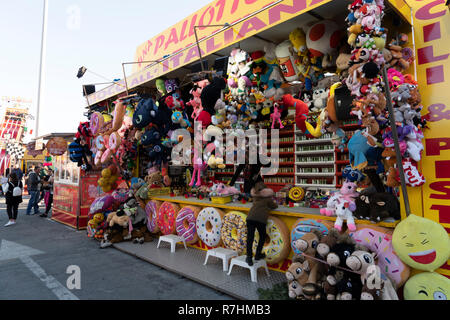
{"x": 301, "y": 110}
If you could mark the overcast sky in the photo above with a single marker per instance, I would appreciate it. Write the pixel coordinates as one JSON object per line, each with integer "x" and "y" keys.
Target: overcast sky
{"x": 99, "y": 34}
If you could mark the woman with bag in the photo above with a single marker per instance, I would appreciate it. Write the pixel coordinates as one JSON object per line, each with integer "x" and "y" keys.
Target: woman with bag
{"x": 13, "y": 198}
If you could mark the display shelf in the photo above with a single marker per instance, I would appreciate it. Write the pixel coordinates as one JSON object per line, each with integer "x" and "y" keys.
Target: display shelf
{"x": 307, "y": 164}
{"x": 315, "y": 141}
{"x": 342, "y": 161}
{"x": 328, "y": 151}
{"x": 300, "y": 212}
{"x": 315, "y": 174}
{"x": 305, "y": 185}
{"x": 280, "y": 174}
{"x": 280, "y": 154}
{"x": 282, "y": 144}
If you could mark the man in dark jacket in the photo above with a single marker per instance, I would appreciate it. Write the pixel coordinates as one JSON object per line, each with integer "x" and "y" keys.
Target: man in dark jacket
{"x": 33, "y": 190}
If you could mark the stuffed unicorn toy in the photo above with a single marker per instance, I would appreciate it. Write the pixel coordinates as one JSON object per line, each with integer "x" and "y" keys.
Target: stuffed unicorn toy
{"x": 344, "y": 212}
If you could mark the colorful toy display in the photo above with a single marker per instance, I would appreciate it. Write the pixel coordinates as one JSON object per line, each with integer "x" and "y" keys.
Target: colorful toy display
{"x": 317, "y": 94}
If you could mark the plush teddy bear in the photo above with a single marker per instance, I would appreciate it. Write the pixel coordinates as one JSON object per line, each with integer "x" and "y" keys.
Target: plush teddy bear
{"x": 319, "y": 99}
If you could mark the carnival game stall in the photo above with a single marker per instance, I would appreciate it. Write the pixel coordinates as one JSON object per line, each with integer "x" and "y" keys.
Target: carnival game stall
{"x": 330, "y": 96}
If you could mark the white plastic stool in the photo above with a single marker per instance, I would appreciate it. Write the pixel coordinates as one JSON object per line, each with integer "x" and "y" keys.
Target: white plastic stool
{"x": 221, "y": 253}
{"x": 240, "y": 261}
{"x": 173, "y": 240}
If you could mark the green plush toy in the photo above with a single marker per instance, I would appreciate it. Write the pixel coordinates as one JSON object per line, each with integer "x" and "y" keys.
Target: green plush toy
{"x": 161, "y": 86}
{"x": 421, "y": 243}
{"x": 427, "y": 286}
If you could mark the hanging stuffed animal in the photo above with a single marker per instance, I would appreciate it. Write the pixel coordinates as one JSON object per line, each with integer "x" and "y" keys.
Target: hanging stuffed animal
{"x": 276, "y": 116}
{"x": 77, "y": 153}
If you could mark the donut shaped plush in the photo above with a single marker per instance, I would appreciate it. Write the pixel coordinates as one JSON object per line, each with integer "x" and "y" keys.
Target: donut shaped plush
{"x": 305, "y": 225}
{"x": 296, "y": 193}
{"x": 379, "y": 240}
{"x": 152, "y": 208}
{"x": 185, "y": 223}
{"x": 114, "y": 141}
{"x": 98, "y": 158}
{"x": 167, "y": 215}
{"x": 106, "y": 156}
{"x": 234, "y": 231}
{"x": 277, "y": 249}
{"x": 209, "y": 223}
{"x": 96, "y": 122}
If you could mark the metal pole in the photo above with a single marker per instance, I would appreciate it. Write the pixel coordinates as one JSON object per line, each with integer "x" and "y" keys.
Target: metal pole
{"x": 85, "y": 94}
{"x": 199, "y": 50}
{"x": 398, "y": 154}
{"x": 125, "y": 78}
{"x": 41, "y": 64}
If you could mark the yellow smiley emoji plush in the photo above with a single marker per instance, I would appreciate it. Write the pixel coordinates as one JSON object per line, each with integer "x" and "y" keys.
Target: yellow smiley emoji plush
{"x": 427, "y": 286}
{"x": 421, "y": 243}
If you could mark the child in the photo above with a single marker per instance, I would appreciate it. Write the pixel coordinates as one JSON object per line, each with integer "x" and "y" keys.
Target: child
{"x": 263, "y": 203}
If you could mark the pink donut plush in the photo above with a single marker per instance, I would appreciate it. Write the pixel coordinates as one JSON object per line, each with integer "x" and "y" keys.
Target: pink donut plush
{"x": 114, "y": 141}
{"x": 379, "y": 240}
{"x": 167, "y": 215}
{"x": 96, "y": 122}
{"x": 152, "y": 208}
{"x": 185, "y": 223}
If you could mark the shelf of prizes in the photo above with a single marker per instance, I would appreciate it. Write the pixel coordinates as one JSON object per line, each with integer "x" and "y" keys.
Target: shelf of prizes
{"x": 345, "y": 105}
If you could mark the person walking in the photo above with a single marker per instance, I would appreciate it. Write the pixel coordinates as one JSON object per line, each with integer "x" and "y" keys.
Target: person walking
{"x": 33, "y": 190}
{"x": 18, "y": 172}
{"x": 48, "y": 189}
{"x": 13, "y": 198}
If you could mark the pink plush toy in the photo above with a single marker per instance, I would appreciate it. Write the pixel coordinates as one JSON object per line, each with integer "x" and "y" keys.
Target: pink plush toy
{"x": 348, "y": 191}
{"x": 199, "y": 166}
{"x": 196, "y": 102}
{"x": 224, "y": 190}
{"x": 395, "y": 78}
{"x": 276, "y": 116}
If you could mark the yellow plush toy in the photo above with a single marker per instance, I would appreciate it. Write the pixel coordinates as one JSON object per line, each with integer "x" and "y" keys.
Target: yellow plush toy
{"x": 109, "y": 177}
{"x": 421, "y": 243}
{"x": 354, "y": 31}
{"x": 298, "y": 40}
{"x": 96, "y": 220}
{"x": 427, "y": 286}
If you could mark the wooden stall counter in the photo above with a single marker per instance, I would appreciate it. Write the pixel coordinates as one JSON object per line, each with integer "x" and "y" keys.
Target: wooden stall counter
{"x": 296, "y": 212}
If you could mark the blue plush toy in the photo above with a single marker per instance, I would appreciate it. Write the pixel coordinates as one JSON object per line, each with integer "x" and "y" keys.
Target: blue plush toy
{"x": 352, "y": 175}
{"x": 145, "y": 113}
{"x": 357, "y": 148}
{"x": 150, "y": 137}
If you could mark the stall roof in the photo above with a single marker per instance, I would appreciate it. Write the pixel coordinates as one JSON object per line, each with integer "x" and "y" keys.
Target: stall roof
{"x": 251, "y": 30}
{"x": 65, "y": 135}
